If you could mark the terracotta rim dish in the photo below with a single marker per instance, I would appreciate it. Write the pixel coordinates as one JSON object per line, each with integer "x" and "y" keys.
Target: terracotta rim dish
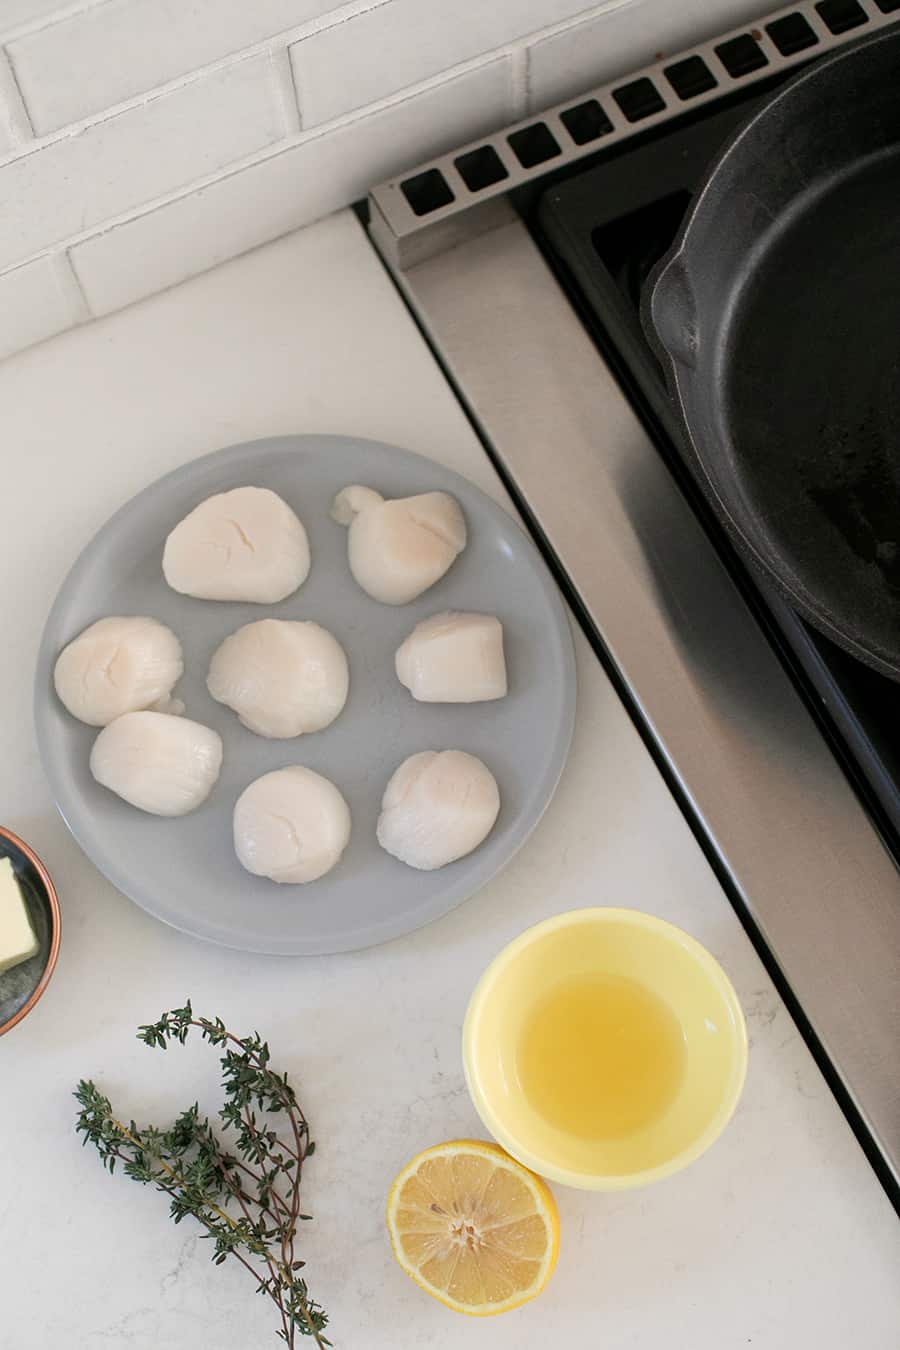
{"x": 55, "y": 928}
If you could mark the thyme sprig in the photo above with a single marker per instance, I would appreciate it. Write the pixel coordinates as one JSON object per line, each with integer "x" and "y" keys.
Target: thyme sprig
{"x": 246, "y": 1196}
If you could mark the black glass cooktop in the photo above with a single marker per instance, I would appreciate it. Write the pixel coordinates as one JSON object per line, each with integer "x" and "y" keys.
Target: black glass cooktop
{"x": 603, "y": 230}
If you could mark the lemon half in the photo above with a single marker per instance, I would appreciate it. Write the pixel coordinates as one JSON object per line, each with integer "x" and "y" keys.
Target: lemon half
{"x": 473, "y": 1227}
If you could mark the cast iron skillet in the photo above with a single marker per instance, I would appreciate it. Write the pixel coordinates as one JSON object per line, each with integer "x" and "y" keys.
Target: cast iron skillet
{"x": 778, "y": 312}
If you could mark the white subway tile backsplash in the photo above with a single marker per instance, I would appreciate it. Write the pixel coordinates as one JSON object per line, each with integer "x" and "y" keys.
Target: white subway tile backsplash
{"x": 14, "y": 125}
{"x": 143, "y": 141}
{"x": 288, "y": 189}
{"x": 401, "y": 42}
{"x": 15, "y": 13}
{"x": 283, "y": 89}
{"x": 609, "y": 45}
{"x": 37, "y": 301}
{"x": 118, "y": 49}
{"x": 82, "y": 180}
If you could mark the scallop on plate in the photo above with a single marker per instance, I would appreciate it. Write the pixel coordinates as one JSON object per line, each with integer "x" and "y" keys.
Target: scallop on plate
{"x": 183, "y": 869}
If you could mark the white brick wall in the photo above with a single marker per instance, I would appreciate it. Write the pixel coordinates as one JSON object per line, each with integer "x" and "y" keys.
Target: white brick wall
{"x": 119, "y": 49}
{"x": 111, "y": 166}
{"x": 142, "y": 141}
{"x": 15, "y": 127}
{"x": 37, "y": 301}
{"x": 307, "y": 180}
{"x": 393, "y": 45}
{"x": 13, "y": 13}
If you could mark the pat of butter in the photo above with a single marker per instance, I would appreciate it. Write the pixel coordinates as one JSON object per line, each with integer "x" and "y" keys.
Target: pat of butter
{"x": 17, "y": 938}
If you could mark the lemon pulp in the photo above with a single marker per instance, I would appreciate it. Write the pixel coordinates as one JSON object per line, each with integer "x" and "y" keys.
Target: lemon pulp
{"x": 473, "y": 1227}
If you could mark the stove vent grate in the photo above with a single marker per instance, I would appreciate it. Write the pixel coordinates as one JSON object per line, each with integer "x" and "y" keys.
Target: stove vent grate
{"x": 444, "y": 201}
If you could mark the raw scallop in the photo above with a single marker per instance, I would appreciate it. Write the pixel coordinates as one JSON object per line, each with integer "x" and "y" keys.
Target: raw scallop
{"x": 246, "y": 544}
{"x": 282, "y": 678}
{"x": 162, "y": 764}
{"x": 291, "y": 825}
{"x": 454, "y": 658}
{"x": 437, "y": 807}
{"x": 118, "y": 665}
{"x": 397, "y": 549}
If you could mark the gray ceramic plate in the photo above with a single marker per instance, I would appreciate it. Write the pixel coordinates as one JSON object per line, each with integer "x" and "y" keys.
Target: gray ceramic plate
{"x": 184, "y": 870}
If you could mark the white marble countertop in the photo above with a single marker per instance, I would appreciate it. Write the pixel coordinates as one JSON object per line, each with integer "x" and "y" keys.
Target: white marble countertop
{"x": 779, "y": 1237}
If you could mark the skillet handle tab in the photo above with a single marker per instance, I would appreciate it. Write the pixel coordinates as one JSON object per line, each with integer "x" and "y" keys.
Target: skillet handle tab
{"x": 673, "y": 312}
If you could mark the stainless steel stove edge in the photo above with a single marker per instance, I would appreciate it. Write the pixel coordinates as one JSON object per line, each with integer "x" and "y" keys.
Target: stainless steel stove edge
{"x": 774, "y": 804}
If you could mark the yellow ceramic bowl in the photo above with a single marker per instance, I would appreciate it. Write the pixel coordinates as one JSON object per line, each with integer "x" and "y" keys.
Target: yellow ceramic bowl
{"x": 605, "y": 1048}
